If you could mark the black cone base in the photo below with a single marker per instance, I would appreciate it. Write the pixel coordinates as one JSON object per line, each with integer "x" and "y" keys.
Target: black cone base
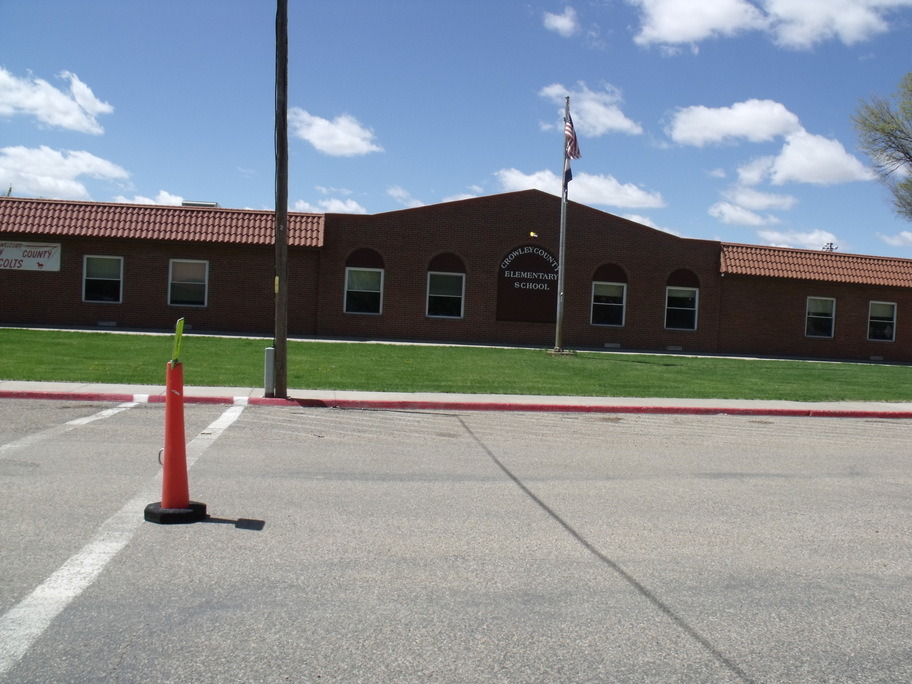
{"x": 175, "y": 516}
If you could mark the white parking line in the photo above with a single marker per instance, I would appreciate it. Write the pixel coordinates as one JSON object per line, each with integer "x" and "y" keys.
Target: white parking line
{"x": 22, "y": 624}
{"x": 60, "y": 429}
{"x": 107, "y": 413}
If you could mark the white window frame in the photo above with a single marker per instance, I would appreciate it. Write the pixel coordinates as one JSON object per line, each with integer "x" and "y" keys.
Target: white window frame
{"x": 831, "y": 318}
{"x": 461, "y": 295}
{"x": 85, "y": 278}
{"x": 205, "y": 282}
{"x": 695, "y": 309}
{"x": 349, "y": 269}
{"x": 623, "y": 304}
{"x": 892, "y": 337}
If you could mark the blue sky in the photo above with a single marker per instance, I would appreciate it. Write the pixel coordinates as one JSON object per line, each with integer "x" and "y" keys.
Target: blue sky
{"x": 718, "y": 119}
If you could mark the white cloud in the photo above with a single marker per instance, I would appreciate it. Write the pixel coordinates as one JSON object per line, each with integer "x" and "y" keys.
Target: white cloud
{"x": 329, "y": 206}
{"x": 513, "y": 179}
{"x": 808, "y": 158}
{"x": 77, "y": 110}
{"x": 459, "y": 196}
{"x": 753, "y": 120}
{"x": 344, "y": 136}
{"x": 795, "y": 24}
{"x": 755, "y": 171}
{"x": 646, "y": 221}
{"x": 804, "y": 157}
{"x": 815, "y": 239}
{"x": 584, "y": 188}
{"x": 332, "y": 205}
{"x": 163, "y": 197}
{"x": 739, "y": 216}
{"x": 403, "y": 197}
{"x": 594, "y": 113}
{"x": 673, "y": 22}
{"x": 332, "y": 191}
{"x": 608, "y": 191}
{"x": 743, "y": 204}
{"x": 804, "y": 23}
{"x": 339, "y": 206}
{"x": 44, "y": 172}
{"x": 565, "y": 24}
{"x": 759, "y": 201}
{"x": 473, "y": 191}
{"x": 903, "y": 239}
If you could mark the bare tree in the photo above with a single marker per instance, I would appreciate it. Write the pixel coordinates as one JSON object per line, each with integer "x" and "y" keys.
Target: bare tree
{"x": 885, "y": 133}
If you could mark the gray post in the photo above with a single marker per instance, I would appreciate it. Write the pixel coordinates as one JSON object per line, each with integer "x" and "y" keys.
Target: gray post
{"x": 269, "y": 372}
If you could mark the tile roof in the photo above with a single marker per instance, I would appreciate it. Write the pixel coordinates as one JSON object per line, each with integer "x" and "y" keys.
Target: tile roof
{"x": 154, "y": 222}
{"x": 782, "y": 262}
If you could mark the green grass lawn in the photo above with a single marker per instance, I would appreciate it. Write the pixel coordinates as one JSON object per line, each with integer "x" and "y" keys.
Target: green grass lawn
{"x": 236, "y": 362}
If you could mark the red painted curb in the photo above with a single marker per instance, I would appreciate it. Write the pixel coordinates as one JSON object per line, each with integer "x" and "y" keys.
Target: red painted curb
{"x": 160, "y": 399}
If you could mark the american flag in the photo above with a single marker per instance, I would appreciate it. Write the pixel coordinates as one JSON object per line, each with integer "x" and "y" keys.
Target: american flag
{"x": 570, "y": 134}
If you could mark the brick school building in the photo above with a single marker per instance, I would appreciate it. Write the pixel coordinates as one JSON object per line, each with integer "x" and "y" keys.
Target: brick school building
{"x": 477, "y": 271}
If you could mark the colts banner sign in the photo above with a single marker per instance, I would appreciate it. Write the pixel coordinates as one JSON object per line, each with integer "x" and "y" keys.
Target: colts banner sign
{"x": 29, "y": 256}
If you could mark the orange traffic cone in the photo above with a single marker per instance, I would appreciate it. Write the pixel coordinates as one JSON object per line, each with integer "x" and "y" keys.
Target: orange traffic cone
{"x": 175, "y": 506}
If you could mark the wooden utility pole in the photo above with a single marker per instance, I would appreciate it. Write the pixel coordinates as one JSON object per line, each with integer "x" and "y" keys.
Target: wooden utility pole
{"x": 281, "y": 202}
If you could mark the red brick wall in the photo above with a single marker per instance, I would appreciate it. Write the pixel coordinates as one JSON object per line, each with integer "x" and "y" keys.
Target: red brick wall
{"x": 648, "y": 257}
{"x": 481, "y": 232}
{"x": 766, "y": 316}
{"x": 737, "y": 314}
{"x": 240, "y": 293}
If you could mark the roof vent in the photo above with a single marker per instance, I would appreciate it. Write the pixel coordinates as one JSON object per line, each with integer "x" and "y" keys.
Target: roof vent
{"x": 205, "y": 205}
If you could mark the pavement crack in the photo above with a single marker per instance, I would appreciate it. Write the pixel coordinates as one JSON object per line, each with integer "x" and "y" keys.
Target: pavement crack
{"x": 122, "y": 653}
{"x": 638, "y": 586}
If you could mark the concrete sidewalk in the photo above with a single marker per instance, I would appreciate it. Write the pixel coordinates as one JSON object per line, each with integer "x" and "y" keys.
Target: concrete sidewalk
{"x": 72, "y": 391}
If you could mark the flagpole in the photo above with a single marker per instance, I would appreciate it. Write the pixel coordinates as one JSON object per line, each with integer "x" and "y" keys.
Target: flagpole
{"x": 559, "y": 326}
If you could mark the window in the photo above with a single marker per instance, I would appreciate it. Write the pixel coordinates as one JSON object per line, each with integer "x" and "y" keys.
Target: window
{"x": 608, "y": 301}
{"x": 103, "y": 279}
{"x": 681, "y": 299}
{"x": 821, "y": 312}
{"x": 364, "y": 274}
{"x": 446, "y": 287}
{"x": 445, "y": 294}
{"x": 609, "y": 295}
{"x": 188, "y": 283}
{"x": 882, "y": 321}
{"x": 681, "y": 308}
{"x": 363, "y": 290}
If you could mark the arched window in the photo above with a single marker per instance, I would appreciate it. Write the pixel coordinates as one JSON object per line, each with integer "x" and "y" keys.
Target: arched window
{"x": 682, "y": 293}
{"x": 364, "y": 282}
{"x": 446, "y": 287}
{"x": 609, "y": 295}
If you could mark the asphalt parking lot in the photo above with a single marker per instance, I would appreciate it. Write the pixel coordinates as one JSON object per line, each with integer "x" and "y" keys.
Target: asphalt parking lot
{"x": 442, "y": 546}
